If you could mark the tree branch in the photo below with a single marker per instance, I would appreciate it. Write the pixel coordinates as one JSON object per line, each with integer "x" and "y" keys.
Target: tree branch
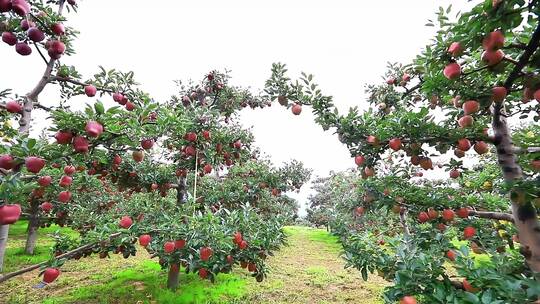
{"x": 524, "y": 58}
{"x": 67, "y": 255}
{"x": 74, "y": 81}
{"x": 492, "y": 215}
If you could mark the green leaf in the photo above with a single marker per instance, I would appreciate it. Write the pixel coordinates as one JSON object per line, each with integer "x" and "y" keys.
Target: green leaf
{"x": 98, "y": 106}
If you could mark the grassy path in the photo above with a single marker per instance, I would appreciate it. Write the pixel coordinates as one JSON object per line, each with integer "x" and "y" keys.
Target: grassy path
{"x": 307, "y": 271}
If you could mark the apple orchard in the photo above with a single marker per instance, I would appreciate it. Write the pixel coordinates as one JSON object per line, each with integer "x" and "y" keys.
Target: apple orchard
{"x": 184, "y": 181}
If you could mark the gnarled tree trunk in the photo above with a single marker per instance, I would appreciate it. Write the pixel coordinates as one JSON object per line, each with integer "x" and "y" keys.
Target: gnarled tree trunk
{"x": 173, "y": 279}
{"x": 523, "y": 212}
{"x": 33, "y": 226}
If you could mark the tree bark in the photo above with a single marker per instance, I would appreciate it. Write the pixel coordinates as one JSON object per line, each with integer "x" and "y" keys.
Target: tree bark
{"x": 493, "y": 215}
{"x": 173, "y": 279}
{"x": 523, "y": 213}
{"x": 181, "y": 191}
{"x": 33, "y": 226}
{"x": 4, "y": 231}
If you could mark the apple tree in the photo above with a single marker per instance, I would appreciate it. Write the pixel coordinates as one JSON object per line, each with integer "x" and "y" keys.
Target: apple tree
{"x": 126, "y": 168}
{"x": 472, "y": 90}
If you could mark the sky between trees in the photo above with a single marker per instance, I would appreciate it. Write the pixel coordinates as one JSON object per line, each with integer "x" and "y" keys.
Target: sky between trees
{"x": 345, "y": 44}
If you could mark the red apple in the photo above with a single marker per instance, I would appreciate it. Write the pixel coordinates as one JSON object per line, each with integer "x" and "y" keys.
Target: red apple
{"x": 368, "y": 171}
{"x": 126, "y": 222}
{"x": 5, "y": 6}
{"x": 34, "y": 164}
{"x": 372, "y": 140}
{"x": 69, "y": 170}
{"x": 117, "y": 160}
{"x": 130, "y": 106}
{"x": 93, "y": 129}
{"x": 451, "y": 255}
{"x": 492, "y": 57}
{"x": 359, "y": 160}
{"x": 237, "y": 144}
{"x": 406, "y": 77}
{"x": 391, "y": 81}
{"x": 465, "y": 121}
{"x": 452, "y": 71}
{"x": 454, "y": 173}
{"x": 296, "y": 109}
{"x": 423, "y": 217}
{"x": 168, "y": 247}
{"x": 206, "y": 134}
{"x": 481, "y": 147}
{"x": 117, "y": 97}
{"x": 203, "y": 273}
{"x": 14, "y": 107}
{"x": 426, "y": 163}
{"x": 44, "y": 181}
{"x": 463, "y": 144}
{"x": 205, "y": 253}
{"x": 179, "y": 244}
{"x": 80, "y": 144}
{"x": 498, "y": 94}
{"x": 58, "y": 29}
{"x": 64, "y": 196}
{"x": 493, "y": 41}
{"x": 470, "y": 107}
{"x": 252, "y": 267}
{"x": 90, "y": 90}
{"x": 395, "y": 144}
{"x": 20, "y": 7}
{"x": 432, "y": 213}
{"x": 469, "y": 232}
{"x": 448, "y": 215}
{"x": 191, "y": 136}
{"x": 455, "y": 49}
{"x": 9, "y": 214}
{"x": 9, "y": 38}
{"x": 66, "y": 181}
{"x": 190, "y": 151}
{"x": 7, "y": 162}
{"x": 147, "y": 144}
{"x": 144, "y": 240}
{"x": 46, "y": 207}
{"x": 35, "y": 34}
{"x": 50, "y": 275}
{"x": 63, "y": 137}
{"x": 408, "y": 300}
{"x": 56, "y": 49}
{"x": 207, "y": 168}
{"x": 463, "y": 212}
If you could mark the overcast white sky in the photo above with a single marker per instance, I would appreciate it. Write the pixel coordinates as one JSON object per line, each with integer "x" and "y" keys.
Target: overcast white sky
{"x": 345, "y": 44}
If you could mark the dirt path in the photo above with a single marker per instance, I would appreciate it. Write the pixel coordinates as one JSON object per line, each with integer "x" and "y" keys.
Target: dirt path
{"x": 309, "y": 270}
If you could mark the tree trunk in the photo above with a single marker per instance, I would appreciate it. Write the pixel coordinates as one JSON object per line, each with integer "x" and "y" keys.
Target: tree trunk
{"x": 33, "y": 226}
{"x": 4, "y": 230}
{"x": 181, "y": 191}
{"x": 173, "y": 278}
{"x": 523, "y": 212}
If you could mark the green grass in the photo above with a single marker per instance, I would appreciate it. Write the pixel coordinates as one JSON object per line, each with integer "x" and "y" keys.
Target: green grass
{"x": 16, "y": 258}
{"x": 147, "y": 281}
{"x": 307, "y": 271}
